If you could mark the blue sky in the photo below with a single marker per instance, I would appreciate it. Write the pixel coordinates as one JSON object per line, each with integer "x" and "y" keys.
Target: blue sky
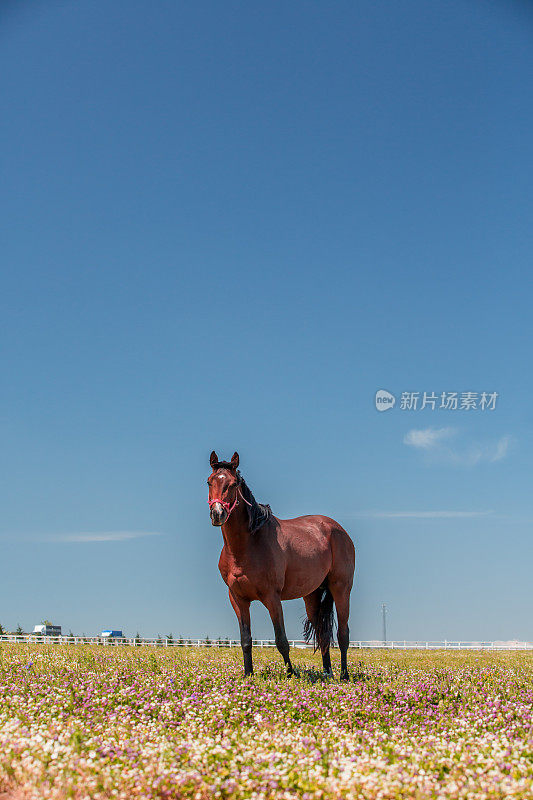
{"x": 227, "y": 226}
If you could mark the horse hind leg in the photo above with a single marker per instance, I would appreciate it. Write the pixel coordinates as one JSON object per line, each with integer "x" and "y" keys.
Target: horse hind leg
{"x": 341, "y": 595}
{"x": 312, "y": 609}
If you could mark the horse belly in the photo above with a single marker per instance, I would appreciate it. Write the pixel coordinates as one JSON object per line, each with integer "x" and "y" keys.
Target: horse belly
{"x": 307, "y": 566}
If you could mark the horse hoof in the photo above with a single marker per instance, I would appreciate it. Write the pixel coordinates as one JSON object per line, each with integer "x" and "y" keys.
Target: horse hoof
{"x": 345, "y": 676}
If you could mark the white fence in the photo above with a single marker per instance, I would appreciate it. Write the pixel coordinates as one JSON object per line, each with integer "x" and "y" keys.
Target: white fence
{"x": 12, "y": 638}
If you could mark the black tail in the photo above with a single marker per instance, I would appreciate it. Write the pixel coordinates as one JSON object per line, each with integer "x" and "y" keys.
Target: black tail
{"x": 320, "y": 631}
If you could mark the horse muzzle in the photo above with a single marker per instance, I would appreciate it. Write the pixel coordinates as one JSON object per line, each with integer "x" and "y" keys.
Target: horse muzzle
{"x": 218, "y": 514}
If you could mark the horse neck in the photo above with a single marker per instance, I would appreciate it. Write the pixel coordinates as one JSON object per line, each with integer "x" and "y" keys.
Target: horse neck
{"x": 236, "y": 531}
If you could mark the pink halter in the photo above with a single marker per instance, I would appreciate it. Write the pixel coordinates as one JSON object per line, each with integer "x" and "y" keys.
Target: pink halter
{"x": 225, "y": 503}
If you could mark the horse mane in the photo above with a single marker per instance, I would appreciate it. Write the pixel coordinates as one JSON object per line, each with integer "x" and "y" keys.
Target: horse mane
{"x": 258, "y": 513}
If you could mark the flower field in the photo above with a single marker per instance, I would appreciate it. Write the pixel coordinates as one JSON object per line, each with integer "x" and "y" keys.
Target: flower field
{"x": 119, "y": 722}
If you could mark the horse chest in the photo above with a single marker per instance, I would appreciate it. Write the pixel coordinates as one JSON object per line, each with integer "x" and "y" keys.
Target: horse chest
{"x": 240, "y": 579}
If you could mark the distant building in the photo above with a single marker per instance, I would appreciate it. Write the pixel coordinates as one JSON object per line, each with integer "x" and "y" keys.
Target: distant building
{"x": 47, "y": 630}
{"x": 112, "y": 634}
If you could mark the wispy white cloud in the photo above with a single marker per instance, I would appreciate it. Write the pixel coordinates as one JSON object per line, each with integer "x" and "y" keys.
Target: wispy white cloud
{"x": 433, "y": 442}
{"x": 479, "y": 452}
{"x": 427, "y": 438}
{"x": 424, "y": 514}
{"x": 501, "y": 449}
{"x": 97, "y": 536}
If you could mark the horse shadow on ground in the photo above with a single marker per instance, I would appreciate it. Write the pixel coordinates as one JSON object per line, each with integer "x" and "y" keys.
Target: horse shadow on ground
{"x": 314, "y": 674}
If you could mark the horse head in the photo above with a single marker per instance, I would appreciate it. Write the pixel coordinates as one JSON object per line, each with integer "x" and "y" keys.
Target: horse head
{"x": 223, "y": 488}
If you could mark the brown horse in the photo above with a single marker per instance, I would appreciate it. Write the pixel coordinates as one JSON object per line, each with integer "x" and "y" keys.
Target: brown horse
{"x": 270, "y": 559}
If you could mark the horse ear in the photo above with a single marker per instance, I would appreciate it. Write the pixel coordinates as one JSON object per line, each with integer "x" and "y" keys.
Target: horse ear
{"x": 213, "y": 459}
{"x": 235, "y": 460}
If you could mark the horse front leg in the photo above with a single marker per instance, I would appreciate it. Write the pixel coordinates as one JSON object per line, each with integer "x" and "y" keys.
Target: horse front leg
{"x": 242, "y": 610}
{"x": 273, "y": 604}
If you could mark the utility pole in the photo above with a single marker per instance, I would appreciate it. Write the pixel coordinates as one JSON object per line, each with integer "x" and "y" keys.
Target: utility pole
{"x": 384, "y": 618}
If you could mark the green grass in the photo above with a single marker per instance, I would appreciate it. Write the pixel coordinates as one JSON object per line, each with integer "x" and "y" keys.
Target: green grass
{"x": 124, "y": 722}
